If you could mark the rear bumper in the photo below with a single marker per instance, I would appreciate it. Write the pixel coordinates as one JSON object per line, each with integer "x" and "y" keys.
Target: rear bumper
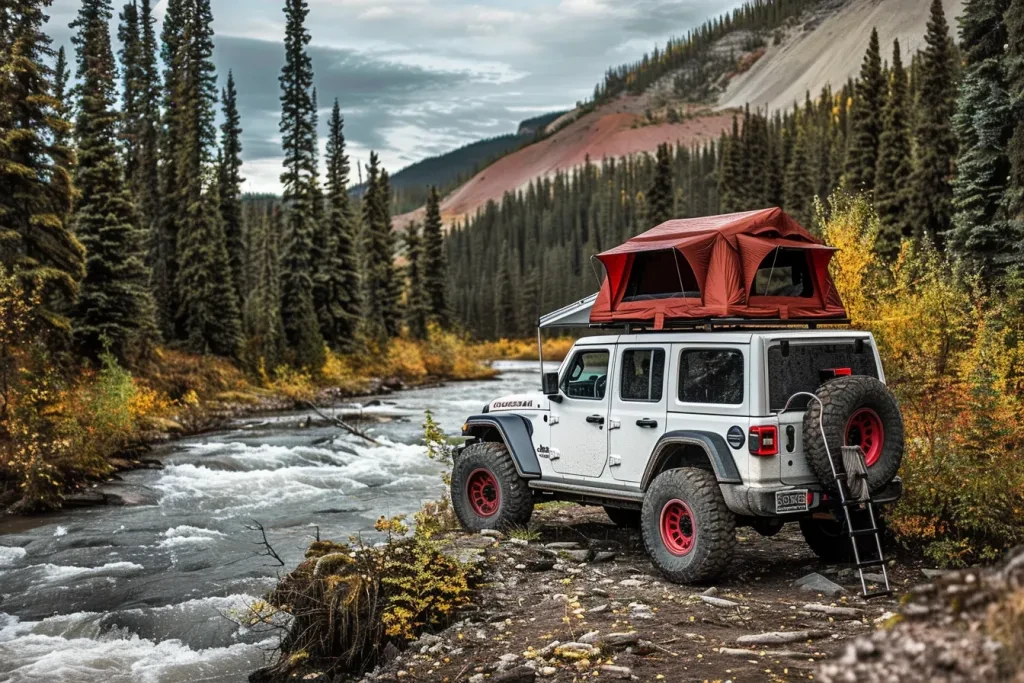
{"x": 760, "y": 502}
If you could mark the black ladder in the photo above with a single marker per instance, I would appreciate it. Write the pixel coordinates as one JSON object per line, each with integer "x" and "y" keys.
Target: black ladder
{"x": 848, "y": 502}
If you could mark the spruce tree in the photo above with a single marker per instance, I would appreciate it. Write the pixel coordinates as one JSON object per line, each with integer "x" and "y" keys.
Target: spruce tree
{"x": 336, "y": 282}
{"x": 892, "y": 178}
{"x": 799, "y": 183}
{"x": 262, "y": 326}
{"x": 61, "y": 76}
{"x": 229, "y": 184}
{"x": 146, "y": 184}
{"x": 504, "y": 296}
{"x": 435, "y": 263}
{"x": 36, "y": 242}
{"x": 114, "y": 306}
{"x": 417, "y": 305}
{"x": 380, "y": 316}
{"x": 1014, "y": 64}
{"x": 730, "y": 172}
{"x": 208, "y": 315}
{"x": 660, "y": 195}
{"x": 298, "y": 139}
{"x": 931, "y": 192}
{"x": 866, "y": 120}
{"x": 981, "y": 234}
{"x": 130, "y": 37}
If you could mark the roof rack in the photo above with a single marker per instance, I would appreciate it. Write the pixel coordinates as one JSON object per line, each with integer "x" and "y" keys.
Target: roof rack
{"x": 719, "y": 324}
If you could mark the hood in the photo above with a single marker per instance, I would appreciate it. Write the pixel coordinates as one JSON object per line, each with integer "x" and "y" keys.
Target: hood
{"x": 518, "y": 403}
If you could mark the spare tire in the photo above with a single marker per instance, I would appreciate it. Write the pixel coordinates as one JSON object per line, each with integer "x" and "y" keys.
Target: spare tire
{"x": 855, "y": 411}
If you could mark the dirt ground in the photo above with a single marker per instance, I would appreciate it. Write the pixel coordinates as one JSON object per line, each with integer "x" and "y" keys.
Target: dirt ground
{"x": 610, "y": 615}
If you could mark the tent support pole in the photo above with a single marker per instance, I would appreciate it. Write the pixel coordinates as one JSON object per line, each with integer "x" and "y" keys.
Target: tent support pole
{"x": 540, "y": 356}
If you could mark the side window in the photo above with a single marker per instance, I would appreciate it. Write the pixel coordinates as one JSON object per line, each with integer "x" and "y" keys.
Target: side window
{"x": 643, "y": 375}
{"x": 711, "y": 376}
{"x": 587, "y": 376}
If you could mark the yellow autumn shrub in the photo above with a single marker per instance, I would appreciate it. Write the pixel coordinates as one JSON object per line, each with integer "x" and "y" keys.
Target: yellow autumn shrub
{"x": 953, "y": 357}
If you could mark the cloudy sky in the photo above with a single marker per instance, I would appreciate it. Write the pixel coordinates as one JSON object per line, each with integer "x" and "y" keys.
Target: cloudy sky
{"x": 416, "y": 78}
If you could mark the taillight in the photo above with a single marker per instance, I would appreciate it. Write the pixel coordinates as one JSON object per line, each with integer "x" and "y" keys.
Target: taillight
{"x": 764, "y": 440}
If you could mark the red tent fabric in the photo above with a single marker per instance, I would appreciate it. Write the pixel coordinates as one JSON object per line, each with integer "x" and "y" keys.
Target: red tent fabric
{"x": 723, "y": 256}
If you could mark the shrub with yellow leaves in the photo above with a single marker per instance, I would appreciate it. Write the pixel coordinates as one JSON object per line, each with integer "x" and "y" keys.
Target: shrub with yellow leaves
{"x": 953, "y": 357}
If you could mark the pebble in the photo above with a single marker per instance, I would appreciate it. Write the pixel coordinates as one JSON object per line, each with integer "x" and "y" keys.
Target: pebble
{"x": 631, "y": 583}
{"x": 589, "y": 638}
{"x": 577, "y": 555}
{"x": 606, "y": 556}
{"x": 616, "y": 671}
{"x": 718, "y": 602}
{"x": 598, "y": 609}
{"x": 710, "y": 592}
{"x": 521, "y": 542}
{"x": 491, "y": 533}
{"x": 547, "y": 671}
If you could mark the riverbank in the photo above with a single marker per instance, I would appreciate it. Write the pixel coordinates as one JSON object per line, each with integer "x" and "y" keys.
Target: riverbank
{"x": 89, "y": 428}
{"x": 577, "y": 597}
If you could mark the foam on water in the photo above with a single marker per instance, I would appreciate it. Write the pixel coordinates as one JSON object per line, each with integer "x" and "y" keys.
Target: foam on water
{"x": 184, "y": 535}
{"x": 55, "y": 573}
{"x": 9, "y": 556}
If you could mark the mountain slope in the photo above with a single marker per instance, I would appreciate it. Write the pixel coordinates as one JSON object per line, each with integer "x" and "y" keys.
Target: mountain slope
{"x": 830, "y": 50}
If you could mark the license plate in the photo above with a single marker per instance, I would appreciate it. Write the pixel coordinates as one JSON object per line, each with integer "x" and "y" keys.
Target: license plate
{"x": 794, "y": 500}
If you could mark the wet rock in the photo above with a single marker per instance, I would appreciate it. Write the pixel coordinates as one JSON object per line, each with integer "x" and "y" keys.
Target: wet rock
{"x": 541, "y": 564}
{"x": 577, "y": 555}
{"x": 816, "y": 583}
{"x": 606, "y": 556}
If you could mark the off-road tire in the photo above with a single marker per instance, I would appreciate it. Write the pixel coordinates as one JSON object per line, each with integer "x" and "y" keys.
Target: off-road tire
{"x": 515, "y": 502}
{"x": 840, "y": 399}
{"x": 623, "y": 517}
{"x": 830, "y": 539}
{"x": 715, "y": 538}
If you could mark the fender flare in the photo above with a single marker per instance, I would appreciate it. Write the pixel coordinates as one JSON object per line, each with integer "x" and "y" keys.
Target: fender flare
{"x": 516, "y": 433}
{"x": 714, "y": 446}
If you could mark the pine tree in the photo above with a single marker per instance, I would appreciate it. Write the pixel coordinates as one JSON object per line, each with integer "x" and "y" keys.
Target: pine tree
{"x": 799, "y": 185}
{"x": 36, "y": 242}
{"x": 298, "y": 136}
{"x": 336, "y": 282}
{"x": 146, "y": 184}
{"x": 866, "y": 120}
{"x": 981, "y": 234}
{"x": 660, "y": 195}
{"x": 380, "y": 316}
{"x": 229, "y": 184}
{"x": 61, "y": 76}
{"x": 170, "y": 206}
{"x": 1014, "y": 64}
{"x": 892, "y": 178}
{"x": 417, "y": 305}
{"x": 207, "y": 314}
{"x": 264, "y": 331}
{"x": 435, "y": 264}
{"x": 130, "y": 37}
{"x": 931, "y": 192}
{"x": 114, "y": 305}
{"x": 504, "y": 297}
{"x": 393, "y": 292}
{"x": 730, "y": 171}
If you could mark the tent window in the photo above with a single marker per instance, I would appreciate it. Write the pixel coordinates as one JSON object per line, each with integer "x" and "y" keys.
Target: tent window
{"x": 785, "y": 271}
{"x": 662, "y": 274}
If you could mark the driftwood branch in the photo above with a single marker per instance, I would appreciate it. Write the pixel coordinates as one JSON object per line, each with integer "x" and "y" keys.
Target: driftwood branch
{"x": 268, "y": 550}
{"x": 341, "y": 423}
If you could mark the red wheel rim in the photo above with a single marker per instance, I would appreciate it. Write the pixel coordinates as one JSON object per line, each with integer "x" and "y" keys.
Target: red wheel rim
{"x": 865, "y": 430}
{"x": 678, "y": 529}
{"x": 483, "y": 492}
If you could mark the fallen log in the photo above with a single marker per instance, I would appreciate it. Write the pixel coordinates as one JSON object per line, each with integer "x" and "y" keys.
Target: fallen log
{"x": 341, "y": 423}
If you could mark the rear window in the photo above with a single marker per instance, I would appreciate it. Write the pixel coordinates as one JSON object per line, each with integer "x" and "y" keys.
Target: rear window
{"x": 711, "y": 376}
{"x": 808, "y": 366}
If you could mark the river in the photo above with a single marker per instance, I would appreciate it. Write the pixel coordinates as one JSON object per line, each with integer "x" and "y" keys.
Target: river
{"x": 146, "y": 592}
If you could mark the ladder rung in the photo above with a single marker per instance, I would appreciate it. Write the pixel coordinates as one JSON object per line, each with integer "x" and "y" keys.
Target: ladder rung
{"x": 864, "y": 532}
{"x": 852, "y": 503}
{"x": 877, "y": 594}
{"x": 870, "y": 563}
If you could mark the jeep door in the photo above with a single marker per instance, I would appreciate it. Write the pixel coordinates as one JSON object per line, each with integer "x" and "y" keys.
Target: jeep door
{"x": 579, "y": 439}
{"x": 638, "y": 408}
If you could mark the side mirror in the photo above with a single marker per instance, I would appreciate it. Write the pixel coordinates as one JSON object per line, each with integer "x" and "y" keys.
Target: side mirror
{"x": 549, "y": 384}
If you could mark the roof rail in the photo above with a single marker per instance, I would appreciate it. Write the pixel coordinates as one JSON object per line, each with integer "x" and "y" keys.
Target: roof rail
{"x": 719, "y": 324}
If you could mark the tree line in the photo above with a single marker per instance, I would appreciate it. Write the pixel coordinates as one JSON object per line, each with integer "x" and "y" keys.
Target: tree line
{"x": 935, "y": 139}
{"x": 121, "y": 214}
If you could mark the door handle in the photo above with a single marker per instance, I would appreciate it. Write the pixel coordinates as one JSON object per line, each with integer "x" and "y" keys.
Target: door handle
{"x": 595, "y": 419}
{"x": 647, "y": 422}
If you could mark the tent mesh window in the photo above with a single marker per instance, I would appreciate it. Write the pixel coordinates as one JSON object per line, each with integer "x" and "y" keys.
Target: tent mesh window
{"x": 785, "y": 271}
{"x": 662, "y": 274}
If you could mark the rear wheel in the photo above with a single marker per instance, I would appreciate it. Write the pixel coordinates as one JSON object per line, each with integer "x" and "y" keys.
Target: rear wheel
{"x": 628, "y": 519}
{"x": 689, "y": 532}
{"x": 487, "y": 492}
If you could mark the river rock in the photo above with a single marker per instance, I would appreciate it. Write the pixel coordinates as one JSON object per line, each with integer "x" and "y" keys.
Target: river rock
{"x": 816, "y": 583}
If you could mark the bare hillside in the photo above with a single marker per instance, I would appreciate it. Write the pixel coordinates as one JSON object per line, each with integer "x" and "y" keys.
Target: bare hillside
{"x": 830, "y": 50}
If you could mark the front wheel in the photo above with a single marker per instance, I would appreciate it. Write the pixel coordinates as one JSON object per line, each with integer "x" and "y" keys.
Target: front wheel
{"x": 688, "y": 530}
{"x": 487, "y": 492}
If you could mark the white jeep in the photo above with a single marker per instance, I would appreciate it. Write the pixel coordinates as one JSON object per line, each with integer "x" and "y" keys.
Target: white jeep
{"x": 690, "y": 434}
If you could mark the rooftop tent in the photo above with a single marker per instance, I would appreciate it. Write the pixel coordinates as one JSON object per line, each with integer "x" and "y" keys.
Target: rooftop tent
{"x": 755, "y": 264}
